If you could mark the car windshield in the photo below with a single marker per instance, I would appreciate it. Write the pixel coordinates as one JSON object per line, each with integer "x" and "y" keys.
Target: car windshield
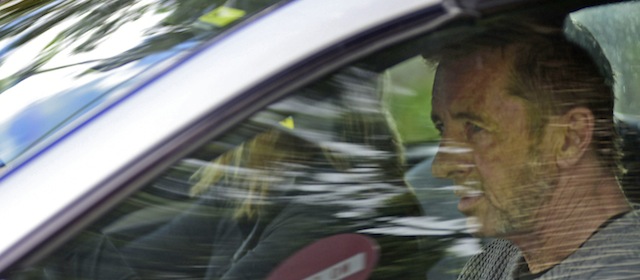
{"x": 62, "y": 58}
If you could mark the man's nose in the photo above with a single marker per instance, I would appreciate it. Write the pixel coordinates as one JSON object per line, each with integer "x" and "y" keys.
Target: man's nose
{"x": 453, "y": 160}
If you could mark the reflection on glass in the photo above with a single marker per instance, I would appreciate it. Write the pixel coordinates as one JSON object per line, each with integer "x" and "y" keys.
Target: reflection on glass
{"x": 527, "y": 161}
{"x": 323, "y": 162}
{"x": 62, "y": 58}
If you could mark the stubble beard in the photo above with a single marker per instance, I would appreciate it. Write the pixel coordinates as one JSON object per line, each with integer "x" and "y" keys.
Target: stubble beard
{"x": 534, "y": 189}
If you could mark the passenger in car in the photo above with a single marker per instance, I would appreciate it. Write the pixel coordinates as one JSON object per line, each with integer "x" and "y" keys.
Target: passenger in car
{"x": 528, "y": 138}
{"x": 256, "y": 209}
{"x": 302, "y": 179}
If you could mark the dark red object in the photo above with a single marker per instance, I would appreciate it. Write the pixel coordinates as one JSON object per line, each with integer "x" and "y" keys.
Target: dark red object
{"x": 343, "y": 256}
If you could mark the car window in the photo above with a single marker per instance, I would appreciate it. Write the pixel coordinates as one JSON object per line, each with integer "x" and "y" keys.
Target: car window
{"x": 450, "y": 155}
{"x": 63, "y": 58}
{"x": 326, "y": 161}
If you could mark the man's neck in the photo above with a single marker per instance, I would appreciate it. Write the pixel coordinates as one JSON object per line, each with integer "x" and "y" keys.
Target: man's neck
{"x": 576, "y": 209}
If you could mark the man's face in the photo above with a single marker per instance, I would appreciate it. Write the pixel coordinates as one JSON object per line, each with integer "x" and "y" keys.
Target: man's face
{"x": 486, "y": 148}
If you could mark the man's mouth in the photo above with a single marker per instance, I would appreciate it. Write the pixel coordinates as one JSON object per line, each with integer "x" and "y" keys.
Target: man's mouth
{"x": 468, "y": 198}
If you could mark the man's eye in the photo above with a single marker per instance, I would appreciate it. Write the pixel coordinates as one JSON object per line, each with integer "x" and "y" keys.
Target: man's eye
{"x": 472, "y": 130}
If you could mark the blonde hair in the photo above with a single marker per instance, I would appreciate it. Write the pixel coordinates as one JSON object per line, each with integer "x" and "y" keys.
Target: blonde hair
{"x": 251, "y": 166}
{"x": 358, "y": 121}
{"x": 272, "y": 157}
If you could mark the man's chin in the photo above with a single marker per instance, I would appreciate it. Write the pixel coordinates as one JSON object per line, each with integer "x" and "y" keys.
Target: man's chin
{"x": 476, "y": 228}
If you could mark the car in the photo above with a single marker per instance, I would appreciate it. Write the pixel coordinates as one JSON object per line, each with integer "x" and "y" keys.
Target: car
{"x": 250, "y": 138}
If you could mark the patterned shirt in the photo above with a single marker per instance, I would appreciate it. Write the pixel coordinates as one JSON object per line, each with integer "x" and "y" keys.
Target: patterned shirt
{"x": 613, "y": 252}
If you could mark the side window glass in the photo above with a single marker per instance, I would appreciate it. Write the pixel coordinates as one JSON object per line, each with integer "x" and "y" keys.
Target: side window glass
{"x": 285, "y": 188}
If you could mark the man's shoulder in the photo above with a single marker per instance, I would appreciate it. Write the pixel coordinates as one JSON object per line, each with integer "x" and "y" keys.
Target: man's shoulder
{"x": 497, "y": 259}
{"x": 612, "y": 252}
{"x": 619, "y": 237}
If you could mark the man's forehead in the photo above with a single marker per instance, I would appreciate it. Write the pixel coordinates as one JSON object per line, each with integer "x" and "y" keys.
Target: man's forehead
{"x": 467, "y": 84}
{"x": 469, "y": 77}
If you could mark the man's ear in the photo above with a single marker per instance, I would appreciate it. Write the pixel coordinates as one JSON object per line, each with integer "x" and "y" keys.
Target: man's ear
{"x": 578, "y": 124}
